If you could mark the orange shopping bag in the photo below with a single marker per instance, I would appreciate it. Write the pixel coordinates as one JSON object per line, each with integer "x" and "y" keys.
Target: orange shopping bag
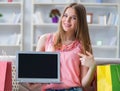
{"x": 5, "y": 76}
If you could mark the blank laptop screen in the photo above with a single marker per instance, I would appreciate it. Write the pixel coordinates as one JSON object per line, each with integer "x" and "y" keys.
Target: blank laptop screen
{"x": 40, "y": 67}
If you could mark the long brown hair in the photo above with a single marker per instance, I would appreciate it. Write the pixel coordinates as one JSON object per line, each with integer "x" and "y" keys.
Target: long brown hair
{"x": 82, "y": 33}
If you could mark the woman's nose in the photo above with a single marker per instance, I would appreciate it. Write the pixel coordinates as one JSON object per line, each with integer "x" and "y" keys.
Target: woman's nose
{"x": 68, "y": 19}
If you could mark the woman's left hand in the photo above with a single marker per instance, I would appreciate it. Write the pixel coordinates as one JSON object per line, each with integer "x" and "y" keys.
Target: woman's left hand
{"x": 87, "y": 60}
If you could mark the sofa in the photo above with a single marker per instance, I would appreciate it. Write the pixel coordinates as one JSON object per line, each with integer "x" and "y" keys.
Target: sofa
{"x": 22, "y": 87}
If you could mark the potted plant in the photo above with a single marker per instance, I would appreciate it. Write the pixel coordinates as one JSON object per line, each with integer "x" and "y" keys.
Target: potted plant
{"x": 55, "y": 14}
{"x": 1, "y": 17}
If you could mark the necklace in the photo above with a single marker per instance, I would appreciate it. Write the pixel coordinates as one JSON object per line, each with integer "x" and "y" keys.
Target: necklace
{"x": 68, "y": 42}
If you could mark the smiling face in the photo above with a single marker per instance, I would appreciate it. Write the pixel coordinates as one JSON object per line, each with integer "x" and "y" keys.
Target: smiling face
{"x": 69, "y": 20}
{"x": 74, "y": 23}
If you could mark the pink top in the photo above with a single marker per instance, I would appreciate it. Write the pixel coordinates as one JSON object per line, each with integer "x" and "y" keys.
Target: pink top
{"x": 69, "y": 65}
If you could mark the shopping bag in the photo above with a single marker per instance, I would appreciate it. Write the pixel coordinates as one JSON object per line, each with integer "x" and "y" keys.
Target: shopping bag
{"x": 5, "y": 76}
{"x": 108, "y": 77}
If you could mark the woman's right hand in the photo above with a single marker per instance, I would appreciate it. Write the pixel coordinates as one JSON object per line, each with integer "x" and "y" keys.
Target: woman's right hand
{"x": 33, "y": 86}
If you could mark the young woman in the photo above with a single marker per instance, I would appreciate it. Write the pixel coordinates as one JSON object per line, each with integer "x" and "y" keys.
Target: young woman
{"x": 73, "y": 42}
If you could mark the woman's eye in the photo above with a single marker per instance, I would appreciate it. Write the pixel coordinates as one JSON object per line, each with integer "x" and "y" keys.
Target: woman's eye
{"x": 74, "y": 18}
{"x": 65, "y": 15}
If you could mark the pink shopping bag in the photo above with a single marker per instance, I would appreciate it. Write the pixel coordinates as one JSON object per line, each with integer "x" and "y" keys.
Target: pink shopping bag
{"x": 5, "y": 76}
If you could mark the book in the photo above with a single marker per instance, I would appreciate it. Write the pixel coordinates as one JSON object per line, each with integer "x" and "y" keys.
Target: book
{"x": 10, "y": 0}
{"x": 110, "y": 15}
{"x": 98, "y": 1}
{"x": 14, "y": 18}
{"x": 14, "y": 39}
{"x": 112, "y": 19}
{"x": 116, "y": 19}
{"x": 18, "y": 39}
{"x": 38, "y": 18}
{"x": 17, "y": 18}
{"x": 11, "y": 18}
{"x": 113, "y": 41}
{"x": 102, "y": 20}
{"x": 35, "y": 19}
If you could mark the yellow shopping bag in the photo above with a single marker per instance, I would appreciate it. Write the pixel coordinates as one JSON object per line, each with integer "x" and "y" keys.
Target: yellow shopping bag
{"x": 108, "y": 77}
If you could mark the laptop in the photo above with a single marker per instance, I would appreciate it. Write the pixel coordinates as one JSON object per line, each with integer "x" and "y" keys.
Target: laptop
{"x": 38, "y": 67}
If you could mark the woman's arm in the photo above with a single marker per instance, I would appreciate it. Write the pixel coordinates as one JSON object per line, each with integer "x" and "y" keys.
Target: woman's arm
{"x": 41, "y": 43}
{"x": 87, "y": 69}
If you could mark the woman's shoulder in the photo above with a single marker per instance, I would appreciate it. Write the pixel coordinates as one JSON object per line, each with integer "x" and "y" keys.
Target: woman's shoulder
{"x": 44, "y": 36}
{"x": 42, "y": 41}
